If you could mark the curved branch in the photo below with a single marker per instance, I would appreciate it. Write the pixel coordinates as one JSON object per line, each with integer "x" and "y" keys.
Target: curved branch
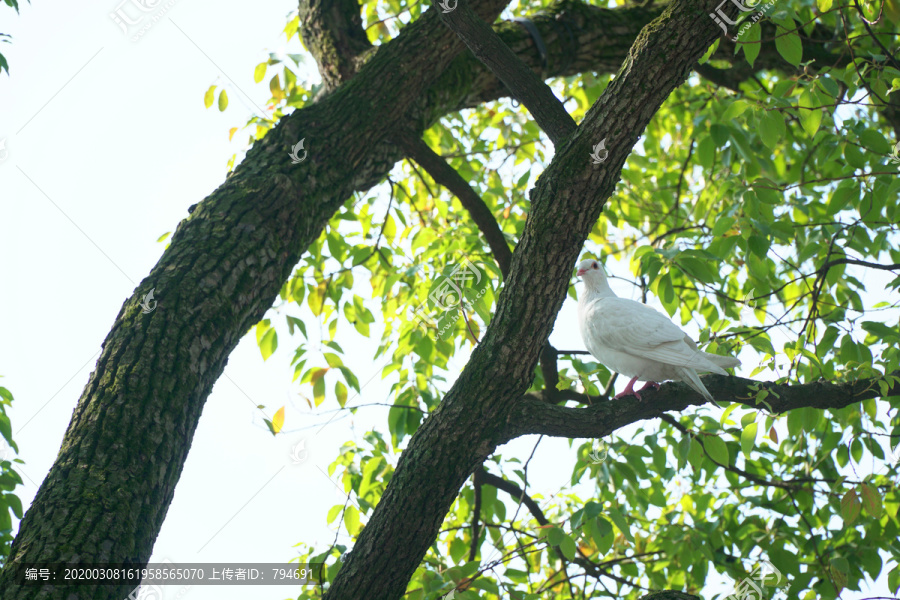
{"x": 862, "y": 263}
{"x": 533, "y": 416}
{"x": 785, "y": 485}
{"x": 447, "y": 176}
{"x": 516, "y": 492}
{"x": 522, "y": 81}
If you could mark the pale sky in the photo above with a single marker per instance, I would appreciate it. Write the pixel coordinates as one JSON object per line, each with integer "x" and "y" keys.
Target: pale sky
{"x": 108, "y": 144}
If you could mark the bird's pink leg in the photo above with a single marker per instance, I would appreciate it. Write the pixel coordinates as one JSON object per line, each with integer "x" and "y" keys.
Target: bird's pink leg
{"x": 629, "y": 390}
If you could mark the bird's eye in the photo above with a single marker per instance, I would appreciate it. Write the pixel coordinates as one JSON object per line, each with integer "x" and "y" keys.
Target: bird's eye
{"x": 593, "y": 265}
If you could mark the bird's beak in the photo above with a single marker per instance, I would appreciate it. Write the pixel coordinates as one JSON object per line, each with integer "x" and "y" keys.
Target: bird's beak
{"x": 580, "y": 272}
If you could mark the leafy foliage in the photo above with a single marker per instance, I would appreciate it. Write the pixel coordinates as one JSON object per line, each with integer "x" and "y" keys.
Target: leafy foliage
{"x": 6, "y": 38}
{"x": 9, "y": 478}
{"x": 758, "y": 213}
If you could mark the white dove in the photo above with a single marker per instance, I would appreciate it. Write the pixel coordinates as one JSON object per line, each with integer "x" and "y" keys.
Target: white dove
{"x": 635, "y": 340}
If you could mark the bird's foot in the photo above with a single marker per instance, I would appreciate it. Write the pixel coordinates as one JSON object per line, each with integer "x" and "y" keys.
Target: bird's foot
{"x": 630, "y": 391}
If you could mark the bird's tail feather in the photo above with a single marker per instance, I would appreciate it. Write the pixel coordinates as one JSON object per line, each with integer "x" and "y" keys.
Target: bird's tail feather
{"x": 690, "y": 377}
{"x": 718, "y": 362}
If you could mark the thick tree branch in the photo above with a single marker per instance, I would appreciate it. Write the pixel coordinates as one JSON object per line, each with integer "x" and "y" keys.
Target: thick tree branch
{"x": 862, "y": 263}
{"x": 525, "y": 85}
{"x": 447, "y": 176}
{"x": 535, "y": 417}
{"x": 669, "y": 595}
{"x": 549, "y": 368}
{"x": 332, "y": 31}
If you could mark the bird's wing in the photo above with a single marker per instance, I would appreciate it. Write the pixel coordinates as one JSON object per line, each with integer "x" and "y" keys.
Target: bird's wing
{"x": 636, "y": 329}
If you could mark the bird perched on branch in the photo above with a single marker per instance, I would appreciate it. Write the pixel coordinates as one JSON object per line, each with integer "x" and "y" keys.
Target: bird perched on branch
{"x": 635, "y": 340}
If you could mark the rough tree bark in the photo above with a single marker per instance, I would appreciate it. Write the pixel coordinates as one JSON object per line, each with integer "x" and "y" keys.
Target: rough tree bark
{"x": 106, "y": 496}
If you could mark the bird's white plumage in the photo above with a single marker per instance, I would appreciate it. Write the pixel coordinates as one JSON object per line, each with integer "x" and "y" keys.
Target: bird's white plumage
{"x": 637, "y": 341}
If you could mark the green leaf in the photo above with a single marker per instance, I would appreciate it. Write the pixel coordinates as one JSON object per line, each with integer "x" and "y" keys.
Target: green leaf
{"x": 319, "y": 391}
{"x": 789, "y": 45}
{"x": 14, "y": 503}
{"x": 275, "y": 87}
{"x": 603, "y": 535}
{"x": 722, "y": 226}
{"x": 210, "y": 96}
{"x": 334, "y": 361}
{"x": 748, "y": 439}
{"x": 555, "y": 536}
{"x": 619, "y": 519}
{"x": 871, "y": 499}
{"x": 316, "y": 299}
{"x": 771, "y": 128}
{"x": 697, "y": 269}
{"x": 845, "y": 193}
{"x": 706, "y": 152}
{"x": 709, "y": 52}
{"x": 333, "y": 512}
{"x": 810, "y": 117}
{"x": 750, "y": 43}
{"x": 350, "y": 378}
{"x": 850, "y": 507}
{"x": 684, "y": 449}
{"x": 223, "y": 100}
{"x": 278, "y": 420}
{"x": 716, "y": 449}
{"x": 259, "y": 72}
{"x": 735, "y": 109}
{"x": 666, "y": 294}
{"x": 696, "y": 455}
{"x": 567, "y": 546}
{"x": 295, "y": 322}
{"x": 351, "y": 520}
{"x": 340, "y": 390}
{"x": 268, "y": 343}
